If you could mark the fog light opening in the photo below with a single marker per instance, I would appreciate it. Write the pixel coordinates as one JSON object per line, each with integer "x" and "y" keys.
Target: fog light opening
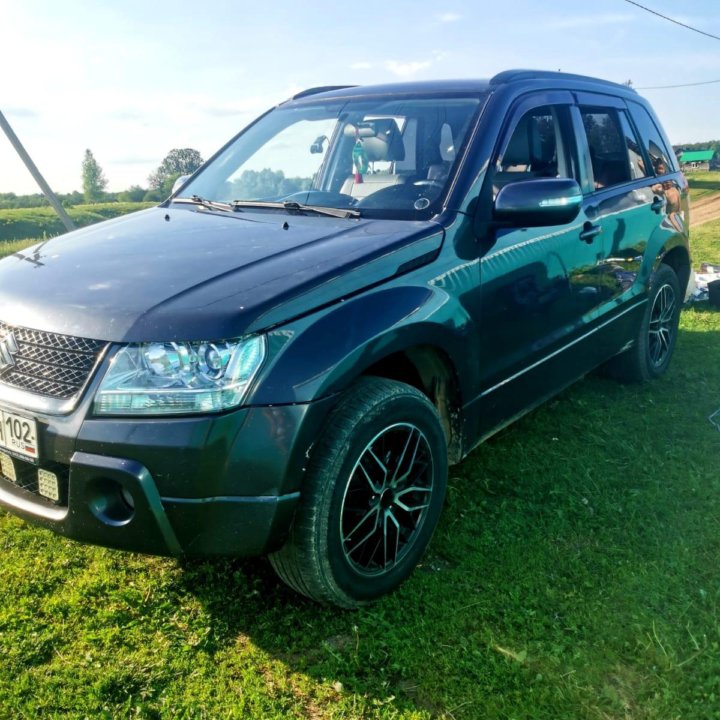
{"x": 127, "y": 497}
{"x": 110, "y": 502}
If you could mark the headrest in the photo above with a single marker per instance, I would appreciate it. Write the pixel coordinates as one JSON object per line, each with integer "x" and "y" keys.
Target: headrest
{"x": 381, "y": 139}
{"x": 526, "y": 145}
{"x": 518, "y": 149}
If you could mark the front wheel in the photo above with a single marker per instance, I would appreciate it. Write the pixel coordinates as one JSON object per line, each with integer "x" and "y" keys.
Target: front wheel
{"x": 654, "y": 344}
{"x": 371, "y": 499}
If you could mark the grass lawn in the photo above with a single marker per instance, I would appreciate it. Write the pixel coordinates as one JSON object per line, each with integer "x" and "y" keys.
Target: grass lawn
{"x": 703, "y": 184}
{"x": 8, "y": 247}
{"x": 43, "y": 222}
{"x": 705, "y": 243}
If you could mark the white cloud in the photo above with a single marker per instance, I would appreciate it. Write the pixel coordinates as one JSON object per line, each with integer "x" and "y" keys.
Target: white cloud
{"x": 21, "y": 112}
{"x": 405, "y": 69}
{"x": 582, "y": 21}
{"x": 251, "y": 104}
{"x": 361, "y": 66}
{"x": 449, "y": 17}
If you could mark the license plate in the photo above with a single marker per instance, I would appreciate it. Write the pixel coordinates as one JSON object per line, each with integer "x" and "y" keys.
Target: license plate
{"x": 18, "y": 435}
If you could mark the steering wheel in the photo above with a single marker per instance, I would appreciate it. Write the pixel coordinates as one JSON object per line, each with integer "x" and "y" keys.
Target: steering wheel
{"x": 429, "y": 183}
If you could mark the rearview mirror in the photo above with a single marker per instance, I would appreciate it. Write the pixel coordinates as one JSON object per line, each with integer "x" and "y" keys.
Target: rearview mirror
{"x": 543, "y": 201}
{"x": 317, "y": 147}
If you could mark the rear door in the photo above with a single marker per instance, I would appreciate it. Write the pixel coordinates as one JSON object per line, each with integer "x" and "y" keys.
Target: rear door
{"x": 621, "y": 202}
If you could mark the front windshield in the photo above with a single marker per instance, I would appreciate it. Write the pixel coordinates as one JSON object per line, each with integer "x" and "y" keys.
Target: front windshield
{"x": 384, "y": 158}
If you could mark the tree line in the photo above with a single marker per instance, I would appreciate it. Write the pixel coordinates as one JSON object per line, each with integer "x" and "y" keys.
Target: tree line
{"x": 709, "y": 145}
{"x": 179, "y": 161}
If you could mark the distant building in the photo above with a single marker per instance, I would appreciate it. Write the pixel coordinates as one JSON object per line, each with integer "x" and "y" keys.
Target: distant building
{"x": 696, "y": 159}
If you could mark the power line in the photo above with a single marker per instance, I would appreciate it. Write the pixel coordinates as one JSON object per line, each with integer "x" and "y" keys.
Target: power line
{"x": 664, "y": 87}
{"x": 677, "y": 22}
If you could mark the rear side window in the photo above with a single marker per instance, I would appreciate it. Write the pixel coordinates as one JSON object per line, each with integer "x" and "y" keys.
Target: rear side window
{"x": 634, "y": 151}
{"x": 662, "y": 159}
{"x": 608, "y": 146}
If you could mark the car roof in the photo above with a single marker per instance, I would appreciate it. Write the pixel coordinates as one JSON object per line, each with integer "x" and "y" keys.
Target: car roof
{"x": 402, "y": 88}
{"x": 534, "y": 78}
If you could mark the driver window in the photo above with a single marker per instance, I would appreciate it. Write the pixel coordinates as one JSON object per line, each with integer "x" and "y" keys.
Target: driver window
{"x": 534, "y": 150}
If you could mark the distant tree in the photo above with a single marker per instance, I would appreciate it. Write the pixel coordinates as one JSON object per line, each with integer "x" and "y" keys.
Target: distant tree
{"x": 266, "y": 184}
{"x": 155, "y": 196}
{"x": 74, "y": 198}
{"x": 11, "y": 200}
{"x": 93, "y": 179}
{"x": 133, "y": 194}
{"x": 177, "y": 162}
{"x": 707, "y": 145}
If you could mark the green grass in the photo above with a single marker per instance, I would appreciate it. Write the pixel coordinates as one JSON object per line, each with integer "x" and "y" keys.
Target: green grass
{"x": 43, "y": 222}
{"x": 705, "y": 243}
{"x": 574, "y": 575}
{"x": 703, "y": 184}
{"x": 7, "y": 247}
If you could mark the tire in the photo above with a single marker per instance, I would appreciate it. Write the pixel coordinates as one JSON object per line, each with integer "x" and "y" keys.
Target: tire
{"x": 654, "y": 343}
{"x": 371, "y": 498}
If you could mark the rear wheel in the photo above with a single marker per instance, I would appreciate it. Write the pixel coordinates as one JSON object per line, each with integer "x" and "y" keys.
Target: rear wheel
{"x": 650, "y": 355}
{"x": 371, "y": 499}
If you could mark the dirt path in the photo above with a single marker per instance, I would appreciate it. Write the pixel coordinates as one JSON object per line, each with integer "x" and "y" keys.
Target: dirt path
{"x": 704, "y": 210}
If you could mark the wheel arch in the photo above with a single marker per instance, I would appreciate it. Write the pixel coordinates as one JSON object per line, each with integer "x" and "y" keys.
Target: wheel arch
{"x": 429, "y": 369}
{"x": 418, "y": 335}
{"x": 678, "y": 258}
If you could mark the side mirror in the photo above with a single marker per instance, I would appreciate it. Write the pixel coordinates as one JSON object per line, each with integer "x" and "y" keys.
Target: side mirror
{"x": 540, "y": 202}
{"x": 179, "y": 183}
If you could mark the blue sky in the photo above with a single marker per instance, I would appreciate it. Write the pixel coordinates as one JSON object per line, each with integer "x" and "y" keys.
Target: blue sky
{"x": 133, "y": 80}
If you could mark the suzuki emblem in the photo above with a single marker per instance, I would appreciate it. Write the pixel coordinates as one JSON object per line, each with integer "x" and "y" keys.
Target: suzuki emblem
{"x": 8, "y": 348}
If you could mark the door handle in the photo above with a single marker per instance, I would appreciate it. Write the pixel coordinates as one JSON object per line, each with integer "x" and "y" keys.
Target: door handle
{"x": 590, "y": 232}
{"x": 658, "y": 204}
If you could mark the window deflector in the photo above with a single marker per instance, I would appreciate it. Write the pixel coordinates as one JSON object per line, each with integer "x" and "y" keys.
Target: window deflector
{"x": 558, "y": 99}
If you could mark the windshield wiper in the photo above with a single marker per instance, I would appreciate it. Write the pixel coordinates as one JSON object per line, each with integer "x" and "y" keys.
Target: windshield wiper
{"x": 297, "y": 207}
{"x": 209, "y": 204}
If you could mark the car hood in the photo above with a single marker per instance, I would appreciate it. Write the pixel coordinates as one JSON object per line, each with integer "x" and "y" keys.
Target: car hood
{"x": 188, "y": 273}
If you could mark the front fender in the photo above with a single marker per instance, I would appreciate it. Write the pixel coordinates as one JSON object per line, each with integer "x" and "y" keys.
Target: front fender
{"x": 322, "y": 354}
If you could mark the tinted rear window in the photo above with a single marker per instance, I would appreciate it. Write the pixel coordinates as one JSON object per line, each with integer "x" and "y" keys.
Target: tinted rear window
{"x": 652, "y": 139}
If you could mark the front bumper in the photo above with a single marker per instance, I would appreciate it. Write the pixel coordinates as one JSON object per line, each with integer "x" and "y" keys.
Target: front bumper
{"x": 222, "y": 485}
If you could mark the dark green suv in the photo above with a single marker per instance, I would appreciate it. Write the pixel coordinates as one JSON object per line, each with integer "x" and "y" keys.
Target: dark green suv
{"x": 355, "y": 291}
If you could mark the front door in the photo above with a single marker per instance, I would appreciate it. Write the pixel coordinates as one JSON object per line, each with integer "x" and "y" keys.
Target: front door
{"x": 538, "y": 286}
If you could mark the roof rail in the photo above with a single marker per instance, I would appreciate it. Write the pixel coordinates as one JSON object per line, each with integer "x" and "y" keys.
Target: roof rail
{"x": 320, "y": 89}
{"x": 507, "y": 76}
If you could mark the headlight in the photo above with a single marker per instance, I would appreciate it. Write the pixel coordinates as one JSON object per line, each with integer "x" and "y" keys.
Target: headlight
{"x": 175, "y": 378}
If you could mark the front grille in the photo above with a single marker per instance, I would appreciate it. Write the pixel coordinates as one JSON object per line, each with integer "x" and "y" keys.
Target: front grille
{"x": 49, "y": 364}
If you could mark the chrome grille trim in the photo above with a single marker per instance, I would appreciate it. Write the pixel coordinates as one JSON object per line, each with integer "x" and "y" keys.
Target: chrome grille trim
{"x": 50, "y": 365}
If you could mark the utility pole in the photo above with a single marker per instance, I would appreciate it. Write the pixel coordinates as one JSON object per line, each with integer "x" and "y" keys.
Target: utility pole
{"x": 39, "y": 179}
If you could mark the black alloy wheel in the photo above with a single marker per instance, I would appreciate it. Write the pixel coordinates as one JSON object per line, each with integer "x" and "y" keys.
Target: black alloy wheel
{"x": 662, "y": 325}
{"x": 386, "y": 499}
{"x": 371, "y": 498}
{"x": 654, "y": 341}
